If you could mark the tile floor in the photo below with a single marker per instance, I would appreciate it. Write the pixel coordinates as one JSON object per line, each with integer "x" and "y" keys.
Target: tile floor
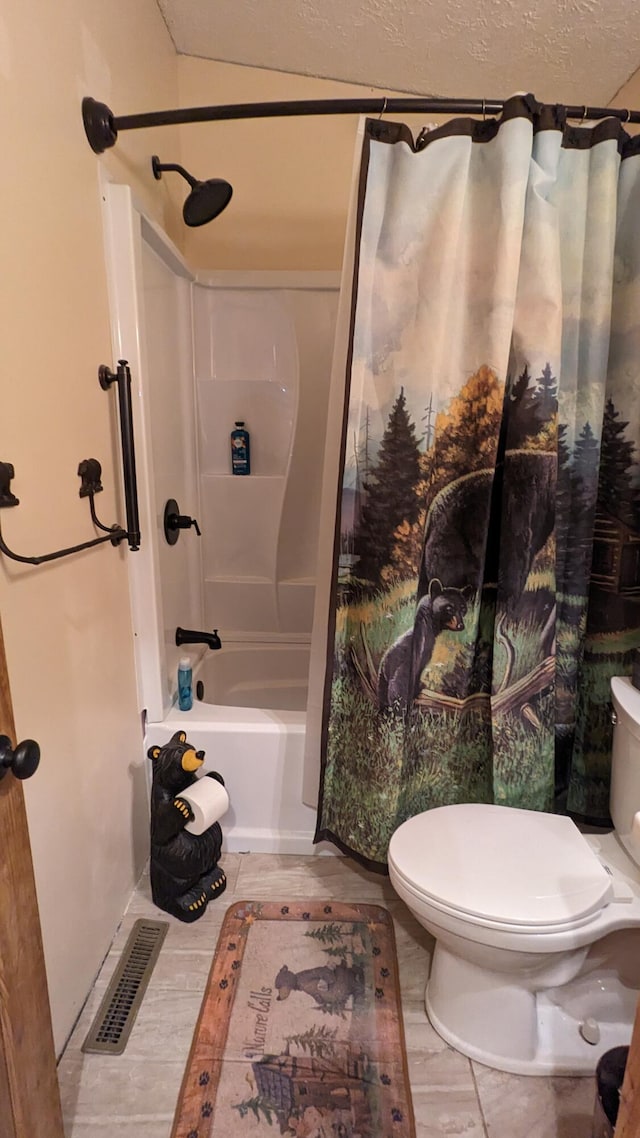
{"x": 134, "y": 1095}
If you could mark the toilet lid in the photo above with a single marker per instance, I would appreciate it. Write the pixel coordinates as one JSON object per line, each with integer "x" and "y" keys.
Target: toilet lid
{"x": 497, "y": 863}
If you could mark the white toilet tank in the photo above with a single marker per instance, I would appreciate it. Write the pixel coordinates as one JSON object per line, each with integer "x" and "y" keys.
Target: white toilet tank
{"x": 624, "y": 801}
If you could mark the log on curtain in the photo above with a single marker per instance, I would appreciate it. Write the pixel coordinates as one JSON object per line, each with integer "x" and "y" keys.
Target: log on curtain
{"x": 487, "y": 561}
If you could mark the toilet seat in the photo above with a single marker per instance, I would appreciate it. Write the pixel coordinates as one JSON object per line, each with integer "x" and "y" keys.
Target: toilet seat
{"x": 483, "y": 927}
{"x": 501, "y": 868}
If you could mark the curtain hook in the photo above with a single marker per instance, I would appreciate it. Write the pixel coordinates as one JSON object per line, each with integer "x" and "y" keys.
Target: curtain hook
{"x": 384, "y": 107}
{"x": 584, "y": 114}
{"x": 484, "y": 110}
{"x": 628, "y": 118}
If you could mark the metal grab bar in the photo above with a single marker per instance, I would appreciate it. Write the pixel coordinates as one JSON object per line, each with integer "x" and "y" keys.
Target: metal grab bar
{"x": 123, "y": 379}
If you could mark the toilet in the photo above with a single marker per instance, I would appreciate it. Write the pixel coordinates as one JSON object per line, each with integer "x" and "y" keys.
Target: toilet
{"x": 536, "y": 966}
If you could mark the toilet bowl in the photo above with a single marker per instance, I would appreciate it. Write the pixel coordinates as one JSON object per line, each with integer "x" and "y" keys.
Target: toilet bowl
{"x": 536, "y": 966}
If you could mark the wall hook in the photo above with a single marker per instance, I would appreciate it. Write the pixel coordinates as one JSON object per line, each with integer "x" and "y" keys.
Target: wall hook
{"x": 6, "y": 474}
{"x": 90, "y": 474}
{"x": 89, "y": 471}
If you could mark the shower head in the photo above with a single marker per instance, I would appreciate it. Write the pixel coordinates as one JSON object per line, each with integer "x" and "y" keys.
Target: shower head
{"x": 206, "y": 200}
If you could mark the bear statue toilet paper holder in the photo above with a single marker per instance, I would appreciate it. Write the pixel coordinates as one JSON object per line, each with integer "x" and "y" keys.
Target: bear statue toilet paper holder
{"x": 186, "y": 837}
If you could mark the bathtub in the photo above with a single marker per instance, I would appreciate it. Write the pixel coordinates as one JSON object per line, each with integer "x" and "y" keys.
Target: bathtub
{"x": 251, "y": 725}
{"x": 268, "y": 676}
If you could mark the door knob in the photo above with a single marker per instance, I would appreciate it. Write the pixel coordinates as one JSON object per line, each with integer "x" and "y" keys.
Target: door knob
{"x": 23, "y": 761}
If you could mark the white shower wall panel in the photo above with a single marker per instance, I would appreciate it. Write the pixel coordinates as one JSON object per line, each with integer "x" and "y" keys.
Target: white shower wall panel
{"x": 263, "y": 356}
{"x": 169, "y": 395}
{"x": 243, "y": 334}
{"x": 268, "y": 411}
{"x": 314, "y": 315}
{"x": 295, "y": 605}
{"x": 241, "y": 609}
{"x": 247, "y": 369}
{"x": 241, "y": 517}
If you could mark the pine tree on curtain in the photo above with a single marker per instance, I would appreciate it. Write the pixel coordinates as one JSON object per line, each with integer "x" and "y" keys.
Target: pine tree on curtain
{"x": 491, "y": 478}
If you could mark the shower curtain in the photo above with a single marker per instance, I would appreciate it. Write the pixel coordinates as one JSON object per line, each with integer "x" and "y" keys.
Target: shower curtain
{"x": 486, "y": 577}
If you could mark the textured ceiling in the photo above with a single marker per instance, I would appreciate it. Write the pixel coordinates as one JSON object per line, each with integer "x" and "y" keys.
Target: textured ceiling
{"x": 572, "y": 51}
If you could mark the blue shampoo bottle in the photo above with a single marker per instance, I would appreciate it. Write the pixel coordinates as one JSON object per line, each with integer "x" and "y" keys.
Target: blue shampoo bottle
{"x": 185, "y": 684}
{"x": 240, "y": 453}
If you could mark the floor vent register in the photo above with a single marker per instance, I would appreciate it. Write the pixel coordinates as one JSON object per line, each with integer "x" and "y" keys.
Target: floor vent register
{"x": 117, "y": 1013}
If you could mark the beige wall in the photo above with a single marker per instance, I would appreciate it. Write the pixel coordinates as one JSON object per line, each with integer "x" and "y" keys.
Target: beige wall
{"x": 629, "y": 97}
{"x": 290, "y": 176}
{"x": 67, "y": 625}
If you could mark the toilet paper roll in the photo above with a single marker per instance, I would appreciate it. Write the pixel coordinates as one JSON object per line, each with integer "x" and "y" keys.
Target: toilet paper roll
{"x": 209, "y": 801}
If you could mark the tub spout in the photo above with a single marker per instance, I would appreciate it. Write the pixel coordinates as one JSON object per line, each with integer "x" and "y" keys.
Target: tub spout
{"x": 190, "y": 636}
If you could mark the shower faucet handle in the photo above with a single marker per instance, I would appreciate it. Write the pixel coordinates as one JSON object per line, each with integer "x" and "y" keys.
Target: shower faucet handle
{"x": 174, "y": 521}
{"x": 183, "y": 521}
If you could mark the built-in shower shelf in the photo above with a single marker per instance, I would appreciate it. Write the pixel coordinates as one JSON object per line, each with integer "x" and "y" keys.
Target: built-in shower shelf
{"x": 242, "y": 478}
{"x": 236, "y": 578}
{"x": 305, "y": 582}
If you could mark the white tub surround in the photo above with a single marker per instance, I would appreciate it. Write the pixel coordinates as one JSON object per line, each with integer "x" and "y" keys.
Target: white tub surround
{"x": 205, "y": 352}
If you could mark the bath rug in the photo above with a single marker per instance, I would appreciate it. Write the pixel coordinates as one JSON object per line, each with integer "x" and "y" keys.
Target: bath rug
{"x": 300, "y": 1030}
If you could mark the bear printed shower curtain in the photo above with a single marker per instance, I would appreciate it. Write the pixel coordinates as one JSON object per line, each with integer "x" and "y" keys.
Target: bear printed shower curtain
{"x": 486, "y": 582}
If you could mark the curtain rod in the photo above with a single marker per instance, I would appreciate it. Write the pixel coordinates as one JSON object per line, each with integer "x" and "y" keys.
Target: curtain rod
{"x": 102, "y": 126}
